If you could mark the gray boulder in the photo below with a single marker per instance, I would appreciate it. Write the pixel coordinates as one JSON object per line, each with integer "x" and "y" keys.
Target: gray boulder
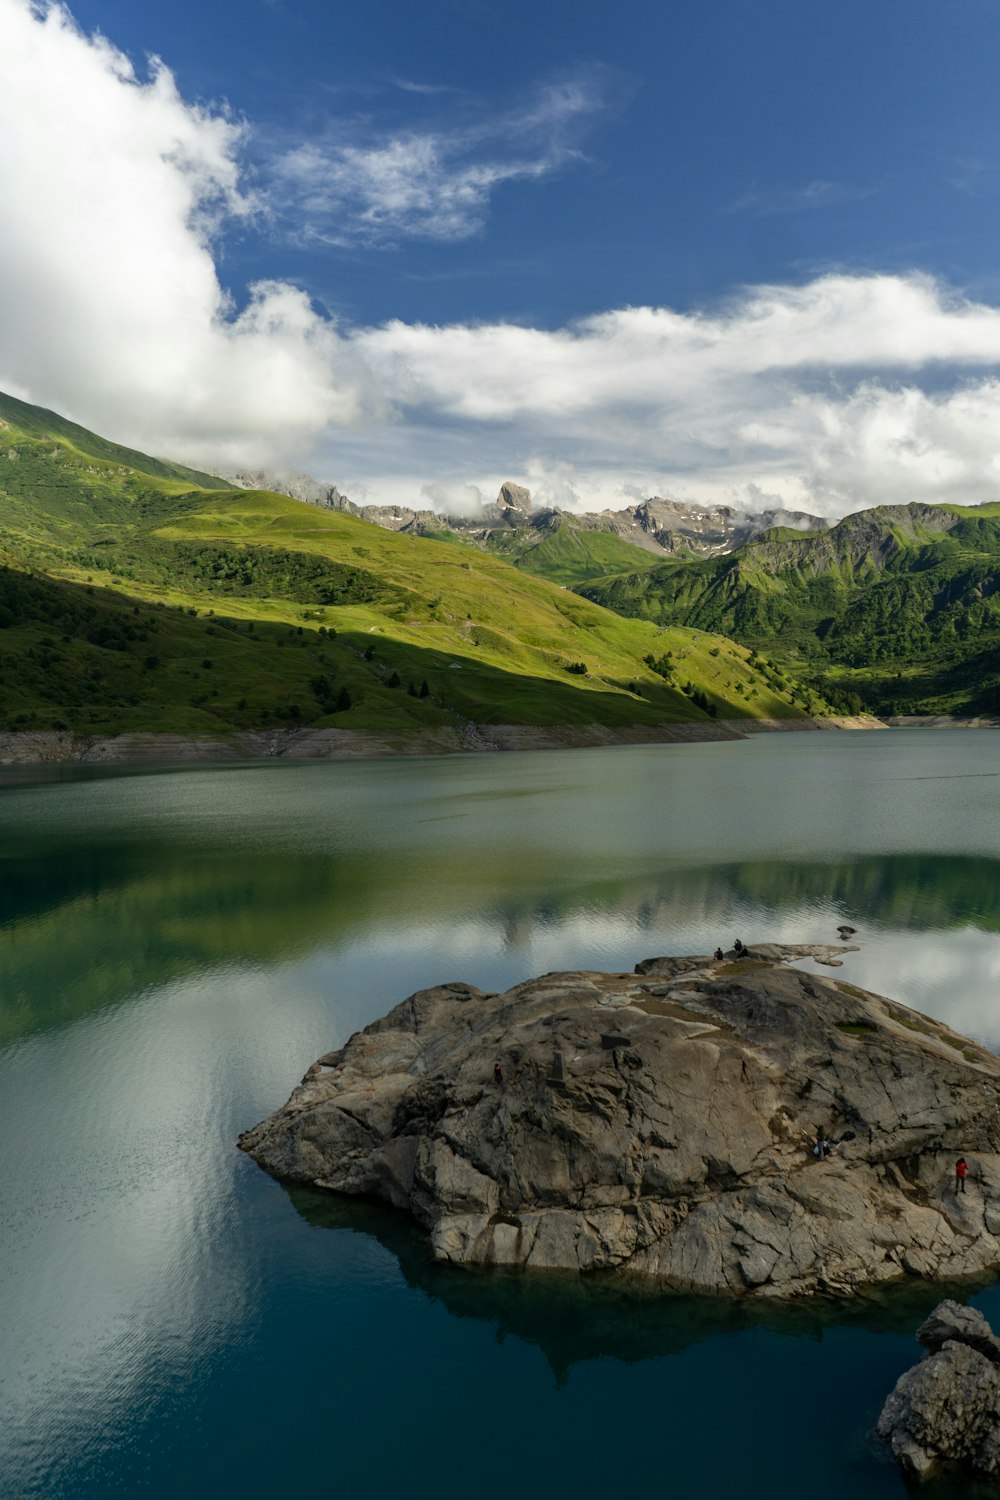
{"x": 946, "y": 1410}
{"x": 661, "y": 1124}
{"x": 953, "y": 1322}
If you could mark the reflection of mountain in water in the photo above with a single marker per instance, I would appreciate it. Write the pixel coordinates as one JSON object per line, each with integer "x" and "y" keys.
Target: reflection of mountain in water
{"x": 926, "y": 891}
{"x": 910, "y": 891}
{"x": 88, "y": 925}
{"x": 99, "y": 924}
{"x": 572, "y": 1319}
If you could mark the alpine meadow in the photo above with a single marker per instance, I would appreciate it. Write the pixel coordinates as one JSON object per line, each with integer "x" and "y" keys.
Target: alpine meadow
{"x": 139, "y": 595}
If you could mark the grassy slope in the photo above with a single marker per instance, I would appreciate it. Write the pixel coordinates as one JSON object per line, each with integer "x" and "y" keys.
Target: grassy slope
{"x": 159, "y": 603}
{"x": 566, "y": 553}
{"x": 888, "y": 605}
{"x": 17, "y": 418}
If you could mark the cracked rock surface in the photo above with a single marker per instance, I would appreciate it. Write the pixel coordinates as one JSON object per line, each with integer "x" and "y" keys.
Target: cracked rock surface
{"x": 661, "y": 1123}
{"x": 946, "y": 1410}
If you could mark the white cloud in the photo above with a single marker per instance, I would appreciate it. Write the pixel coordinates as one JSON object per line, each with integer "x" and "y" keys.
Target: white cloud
{"x": 651, "y": 357}
{"x": 846, "y": 392}
{"x": 429, "y": 90}
{"x": 430, "y": 184}
{"x": 897, "y": 445}
{"x": 454, "y": 499}
{"x": 110, "y": 304}
{"x": 841, "y": 393}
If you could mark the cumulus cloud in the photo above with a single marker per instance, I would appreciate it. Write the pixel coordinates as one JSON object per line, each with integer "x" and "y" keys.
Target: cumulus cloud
{"x": 643, "y": 357}
{"x": 843, "y": 392}
{"x": 846, "y": 392}
{"x": 428, "y": 184}
{"x": 110, "y": 303}
{"x": 455, "y": 499}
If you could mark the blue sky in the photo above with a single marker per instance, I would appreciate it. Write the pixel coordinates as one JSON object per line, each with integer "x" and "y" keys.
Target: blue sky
{"x": 718, "y": 142}
{"x": 399, "y": 245}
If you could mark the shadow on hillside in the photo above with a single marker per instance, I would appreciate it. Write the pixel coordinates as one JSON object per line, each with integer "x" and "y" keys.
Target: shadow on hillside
{"x": 482, "y": 692}
{"x": 130, "y": 663}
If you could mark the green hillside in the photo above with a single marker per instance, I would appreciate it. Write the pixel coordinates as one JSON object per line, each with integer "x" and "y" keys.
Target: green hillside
{"x": 896, "y": 608}
{"x": 562, "y": 549}
{"x": 18, "y": 419}
{"x": 135, "y": 594}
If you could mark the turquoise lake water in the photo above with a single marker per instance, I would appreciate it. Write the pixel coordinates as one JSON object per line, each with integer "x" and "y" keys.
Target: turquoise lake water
{"x": 177, "y": 947}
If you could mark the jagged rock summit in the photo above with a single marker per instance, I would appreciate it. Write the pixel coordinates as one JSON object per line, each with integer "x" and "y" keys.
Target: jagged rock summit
{"x": 662, "y": 1123}
{"x": 515, "y": 499}
{"x": 295, "y": 485}
{"x": 655, "y": 525}
{"x": 945, "y": 1412}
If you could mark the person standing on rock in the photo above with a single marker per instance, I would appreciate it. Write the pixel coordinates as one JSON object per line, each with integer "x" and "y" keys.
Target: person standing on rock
{"x": 961, "y": 1172}
{"x": 497, "y": 1074}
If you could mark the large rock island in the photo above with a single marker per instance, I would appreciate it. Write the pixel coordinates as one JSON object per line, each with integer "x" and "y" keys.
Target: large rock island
{"x": 664, "y": 1124}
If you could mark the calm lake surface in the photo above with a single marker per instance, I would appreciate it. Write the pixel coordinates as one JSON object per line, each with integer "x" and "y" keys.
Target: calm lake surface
{"x": 177, "y": 947}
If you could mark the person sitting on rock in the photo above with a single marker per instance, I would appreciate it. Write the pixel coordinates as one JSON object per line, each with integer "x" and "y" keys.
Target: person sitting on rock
{"x": 961, "y": 1172}
{"x": 739, "y": 947}
{"x": 822, "y": 1146}
{"x": 719, "y": 955}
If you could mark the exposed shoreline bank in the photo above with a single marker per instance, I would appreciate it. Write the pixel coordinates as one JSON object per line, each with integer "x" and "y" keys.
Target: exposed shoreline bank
{"x": 43, "y": 747}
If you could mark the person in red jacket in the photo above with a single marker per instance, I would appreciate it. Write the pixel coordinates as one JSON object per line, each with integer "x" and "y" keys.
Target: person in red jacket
{"x": 961, "y": 1172}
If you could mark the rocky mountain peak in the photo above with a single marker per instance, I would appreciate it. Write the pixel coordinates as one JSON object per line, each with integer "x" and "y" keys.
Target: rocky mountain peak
{"x": 657, "y": 525}
{"x": 514, "y": 497}
{"x": 512, "y": 507}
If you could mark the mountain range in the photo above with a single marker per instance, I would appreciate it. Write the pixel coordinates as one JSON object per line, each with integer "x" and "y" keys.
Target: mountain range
{"x": 890, "y": 610}
{"x": 896, "y": 607}
{"x": 549, "y": 540}
{"x": 135, "y": 592}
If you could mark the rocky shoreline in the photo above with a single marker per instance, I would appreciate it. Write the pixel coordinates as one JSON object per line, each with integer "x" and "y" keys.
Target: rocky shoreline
{"x": 140, "y": 747}
{"x": 665, "y": 1125}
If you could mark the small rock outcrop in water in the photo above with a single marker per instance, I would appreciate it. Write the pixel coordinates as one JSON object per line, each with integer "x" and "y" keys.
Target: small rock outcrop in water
{"x": 663, "y": 1123}
{"x": 946, "y": 1410}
